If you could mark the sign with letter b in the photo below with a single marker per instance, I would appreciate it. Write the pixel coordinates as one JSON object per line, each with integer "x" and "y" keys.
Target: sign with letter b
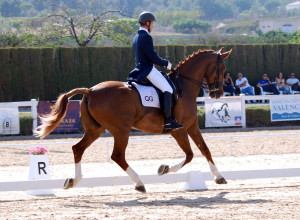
{"x": 9, "y": 119}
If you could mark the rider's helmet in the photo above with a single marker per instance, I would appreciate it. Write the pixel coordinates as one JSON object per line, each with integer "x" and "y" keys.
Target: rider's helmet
{"x": 146, "y": 16}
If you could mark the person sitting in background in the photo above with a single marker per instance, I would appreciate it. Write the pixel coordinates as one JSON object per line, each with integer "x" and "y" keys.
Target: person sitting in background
{"x": 293, "y": 82}
{"x": 243, "y": 85}
{"x": 267, "y": 86}
{"x": 280, "y": 82}
{"x": 228, "y": 84}
{"x": 205, "y": 89}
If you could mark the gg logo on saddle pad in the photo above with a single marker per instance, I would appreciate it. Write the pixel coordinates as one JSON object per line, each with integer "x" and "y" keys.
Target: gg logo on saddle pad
{"x": 148, "y": 94}
{"x": 148, "y": 98}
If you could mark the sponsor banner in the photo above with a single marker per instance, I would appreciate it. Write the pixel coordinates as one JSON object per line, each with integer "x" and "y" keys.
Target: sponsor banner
{"x": 223, "y": 112}
{"x": 287, "y": 109}
{"x": 9, "y": 119}
{"x": 70, "y": 123}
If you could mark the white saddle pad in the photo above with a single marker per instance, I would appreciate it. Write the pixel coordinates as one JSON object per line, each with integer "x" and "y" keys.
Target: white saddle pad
{"x": 148, "y": 95}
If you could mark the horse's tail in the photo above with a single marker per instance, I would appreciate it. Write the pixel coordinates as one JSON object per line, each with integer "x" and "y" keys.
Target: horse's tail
{"x": 52, "y": 120}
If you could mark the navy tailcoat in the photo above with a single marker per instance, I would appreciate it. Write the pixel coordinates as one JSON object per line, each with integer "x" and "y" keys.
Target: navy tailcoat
{"x": 145, "y": 56}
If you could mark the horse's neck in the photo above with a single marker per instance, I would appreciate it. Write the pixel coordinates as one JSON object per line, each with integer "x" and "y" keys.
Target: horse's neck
{"x": 189, "y": 87}
{"x": 195, "y": 68}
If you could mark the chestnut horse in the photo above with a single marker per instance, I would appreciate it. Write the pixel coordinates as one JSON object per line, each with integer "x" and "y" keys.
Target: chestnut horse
{"x": 115, "y": 106}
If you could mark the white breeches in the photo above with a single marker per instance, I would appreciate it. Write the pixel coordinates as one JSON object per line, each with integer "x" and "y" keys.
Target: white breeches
{"x": 157, "y": 79}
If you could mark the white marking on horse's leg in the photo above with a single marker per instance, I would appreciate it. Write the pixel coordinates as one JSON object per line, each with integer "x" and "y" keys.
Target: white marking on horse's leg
{"x": 176, "y": 167}
{"x": 215, "y": 170}
{"x": 78, "y": 174}
{"x": 134, "y": 176}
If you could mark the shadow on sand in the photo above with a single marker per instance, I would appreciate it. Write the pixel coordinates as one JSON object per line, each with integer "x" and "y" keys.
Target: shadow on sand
{"x": 201, "y": 202}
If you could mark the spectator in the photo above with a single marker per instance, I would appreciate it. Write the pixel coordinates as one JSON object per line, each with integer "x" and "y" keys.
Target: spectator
{"x": 267, "y": 86}
{"x": 280, "y": 82}
{"x": 293, "y": 82}
{"x": 242, "y": 83}
{"x": 228, "y": 84}
{"x": 205, "y": 89}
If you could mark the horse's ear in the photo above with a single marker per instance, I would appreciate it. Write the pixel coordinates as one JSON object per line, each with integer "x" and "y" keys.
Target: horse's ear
{"x": 221, "y": 50}
{"x": 226, "y": 55}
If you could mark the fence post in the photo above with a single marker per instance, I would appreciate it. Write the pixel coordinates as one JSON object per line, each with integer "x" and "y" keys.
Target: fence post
{"x": 34, "y": 104}
{"x": 243, "y": 111}
{"x": 231, "y": 146}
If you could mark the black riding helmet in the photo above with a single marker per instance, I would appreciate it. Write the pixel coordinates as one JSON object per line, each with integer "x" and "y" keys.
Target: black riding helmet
{"x": 146, "y": 16}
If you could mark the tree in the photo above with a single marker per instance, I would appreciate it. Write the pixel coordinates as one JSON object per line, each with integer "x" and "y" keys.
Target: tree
{"x": 272, "y": 5}
{"x": 216, "y": 10}
{"x": 10, "y": 8}
{"x": 191, "y": 26}
{"x": 168, "y": 18}
{"x": 274, "y": 37}
{"x": 122, "y": 30}
{"x": 82, "y": 24}
{"x": 243, "y": 4}
{"x": 295, "y": 37}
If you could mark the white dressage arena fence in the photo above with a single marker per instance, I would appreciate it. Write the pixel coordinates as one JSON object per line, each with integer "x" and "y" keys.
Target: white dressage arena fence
{"x": 34, "y": 104}
{"x": 194, "y": 180}
{"x": 148, "y": 179}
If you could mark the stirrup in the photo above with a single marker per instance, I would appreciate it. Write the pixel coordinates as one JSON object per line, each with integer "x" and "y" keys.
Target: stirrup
{"x": 172, "y": 125}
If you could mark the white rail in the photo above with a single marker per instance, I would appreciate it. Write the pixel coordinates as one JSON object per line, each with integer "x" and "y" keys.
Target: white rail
{"x": 148, "y": 179}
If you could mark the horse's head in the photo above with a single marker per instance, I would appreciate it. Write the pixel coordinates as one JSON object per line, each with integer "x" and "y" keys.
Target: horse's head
{"x": 215, "y": 72}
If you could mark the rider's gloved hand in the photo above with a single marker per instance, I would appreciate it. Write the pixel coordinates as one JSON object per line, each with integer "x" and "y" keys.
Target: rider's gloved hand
{"x": 169, "y": 67}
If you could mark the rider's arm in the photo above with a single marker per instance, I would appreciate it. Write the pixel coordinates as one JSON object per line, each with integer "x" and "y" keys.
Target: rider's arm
{"x": 151, "y": 53}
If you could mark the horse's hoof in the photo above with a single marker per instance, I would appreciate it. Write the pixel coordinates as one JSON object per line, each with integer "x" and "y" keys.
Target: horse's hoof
{"x": 140, "y": 189}
{"x": 68, "y": 183}
{"x": 221, "y": 181}
{"x": 163, "y": 169}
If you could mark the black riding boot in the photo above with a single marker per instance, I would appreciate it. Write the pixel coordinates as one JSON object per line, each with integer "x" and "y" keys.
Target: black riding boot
{"x": 170, "y": 121}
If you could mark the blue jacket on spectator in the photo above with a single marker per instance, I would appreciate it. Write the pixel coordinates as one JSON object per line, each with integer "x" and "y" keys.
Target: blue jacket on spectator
{"x": 145, "y": 56}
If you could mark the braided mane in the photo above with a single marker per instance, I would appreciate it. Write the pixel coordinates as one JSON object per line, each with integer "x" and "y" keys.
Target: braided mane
{"x": 192, "y": 56}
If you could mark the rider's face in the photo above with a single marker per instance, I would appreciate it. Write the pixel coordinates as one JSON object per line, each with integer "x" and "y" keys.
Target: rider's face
{"x": 151, "y": 25}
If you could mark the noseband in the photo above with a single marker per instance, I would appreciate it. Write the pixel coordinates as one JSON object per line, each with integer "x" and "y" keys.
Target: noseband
{"x": 212, "y": 87}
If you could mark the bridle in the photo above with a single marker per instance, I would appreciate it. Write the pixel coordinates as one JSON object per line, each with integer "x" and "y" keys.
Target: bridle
{"x": 212, "y": 87}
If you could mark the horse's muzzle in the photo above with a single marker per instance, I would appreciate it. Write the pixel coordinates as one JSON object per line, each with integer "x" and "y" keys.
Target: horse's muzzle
{"x": 215, "y": 94}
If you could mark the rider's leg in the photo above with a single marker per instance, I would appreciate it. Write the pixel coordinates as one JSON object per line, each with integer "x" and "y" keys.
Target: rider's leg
{"x": 157, "y": 79}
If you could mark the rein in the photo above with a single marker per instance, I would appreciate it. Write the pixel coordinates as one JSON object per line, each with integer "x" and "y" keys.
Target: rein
{"x": 211, "y": 87}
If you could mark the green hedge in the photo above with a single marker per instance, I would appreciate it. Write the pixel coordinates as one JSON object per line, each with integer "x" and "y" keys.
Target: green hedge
{"x": 25, "y": 123}
{"x": 44, "y": 73}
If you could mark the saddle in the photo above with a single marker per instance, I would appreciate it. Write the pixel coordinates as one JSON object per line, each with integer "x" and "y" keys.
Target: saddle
{"x": 141, "y": 85}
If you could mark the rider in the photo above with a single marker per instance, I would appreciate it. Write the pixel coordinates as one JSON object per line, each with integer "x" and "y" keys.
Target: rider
{"x": 145, "y": 58}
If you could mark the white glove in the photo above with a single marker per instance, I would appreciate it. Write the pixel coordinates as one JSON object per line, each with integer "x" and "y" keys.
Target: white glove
{"x": 169, "y": 67}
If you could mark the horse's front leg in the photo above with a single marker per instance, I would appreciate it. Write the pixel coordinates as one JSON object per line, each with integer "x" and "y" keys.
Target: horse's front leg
{"x": 183, "y": 141}
{"x": 118, "y": 155}
{"x": 195, "y": 134}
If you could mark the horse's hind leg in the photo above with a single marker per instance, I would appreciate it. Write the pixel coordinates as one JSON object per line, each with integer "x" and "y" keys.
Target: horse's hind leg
{"x": 195, "y": 134}
{"x": 92, "y": 130}
{"x": 183, "y": 141}
{"x": 78, "y": 150}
